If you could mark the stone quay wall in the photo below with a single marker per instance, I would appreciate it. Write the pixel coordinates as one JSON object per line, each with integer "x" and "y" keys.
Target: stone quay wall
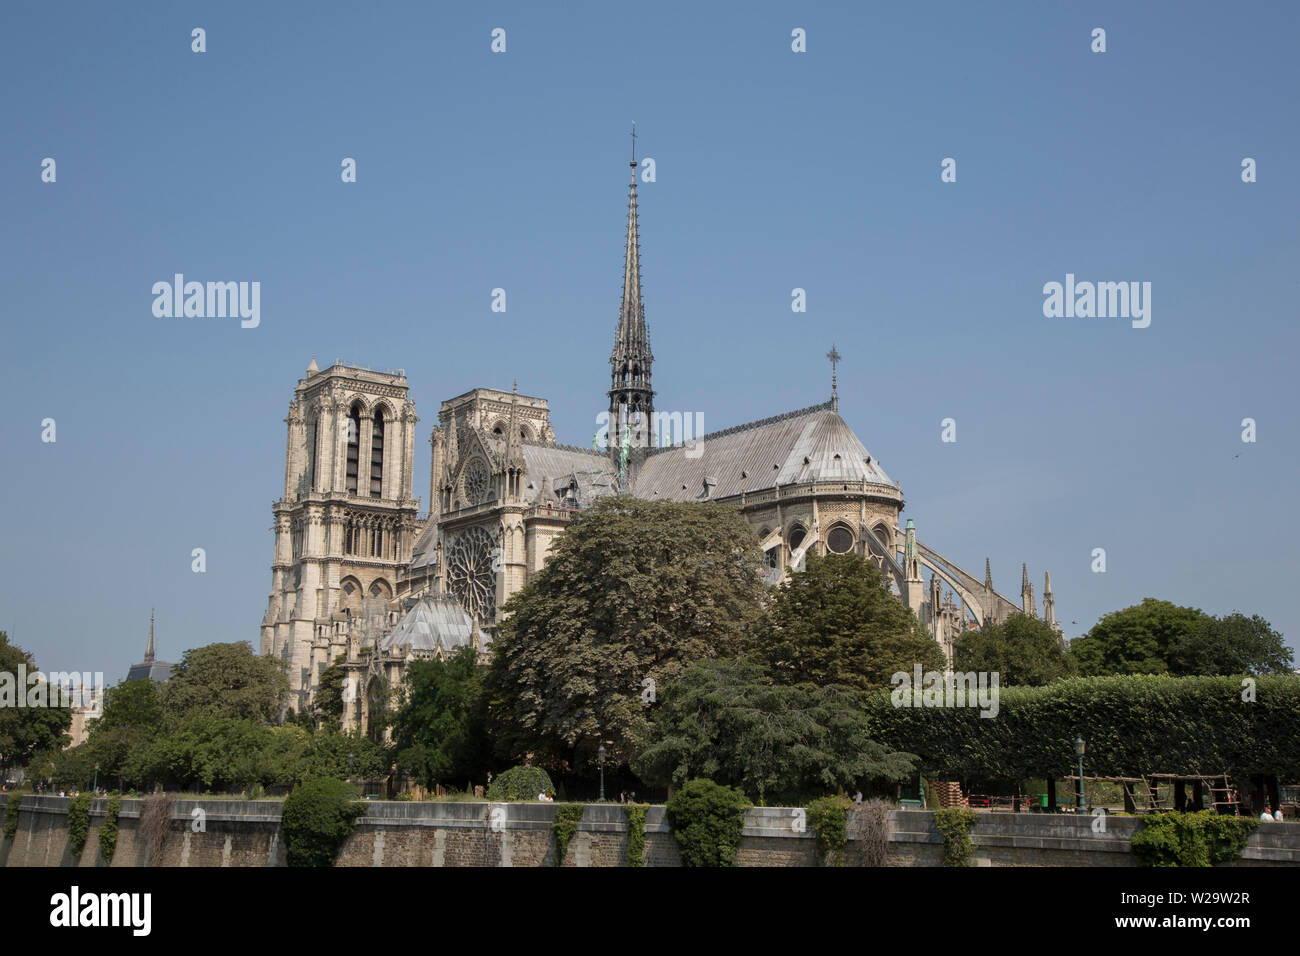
{"x": 247, "y": 833}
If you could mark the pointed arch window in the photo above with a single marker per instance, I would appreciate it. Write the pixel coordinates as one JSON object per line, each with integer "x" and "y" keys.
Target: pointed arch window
{"x": 312, "y": 452}
{"x": 354, "y": 447}
{"x": 377, "y": 455}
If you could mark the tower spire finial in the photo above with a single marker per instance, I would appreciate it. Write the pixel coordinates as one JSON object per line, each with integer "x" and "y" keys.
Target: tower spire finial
{"x": 834, "y": 357}
{"x": 148, "y": 652}
{"x": 633, "y": 163}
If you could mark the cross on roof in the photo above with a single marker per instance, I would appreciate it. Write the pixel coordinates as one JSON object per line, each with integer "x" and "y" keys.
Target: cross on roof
{"x": 834, "y": 356}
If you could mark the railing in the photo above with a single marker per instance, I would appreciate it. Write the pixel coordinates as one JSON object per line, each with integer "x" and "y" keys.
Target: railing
{"x": 553, "y": 511}
{"x": 339, "y": 363}
{"x": 820, "y": 487}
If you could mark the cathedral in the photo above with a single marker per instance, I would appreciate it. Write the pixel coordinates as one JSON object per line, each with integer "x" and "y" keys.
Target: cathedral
{"x": 361, "y": 578}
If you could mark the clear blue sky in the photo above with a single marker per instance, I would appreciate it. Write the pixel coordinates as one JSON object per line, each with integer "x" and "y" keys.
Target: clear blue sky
{"x": 774, "y": 170}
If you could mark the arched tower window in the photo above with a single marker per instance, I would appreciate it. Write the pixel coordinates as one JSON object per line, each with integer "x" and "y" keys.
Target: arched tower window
{"x": 311, "y": 456}
{"x": 354, "y": 447}
{"x": 377, "y": 455}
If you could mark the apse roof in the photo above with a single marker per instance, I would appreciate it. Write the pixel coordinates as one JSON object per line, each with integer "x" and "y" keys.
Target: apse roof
{"x": 812, "y": 444}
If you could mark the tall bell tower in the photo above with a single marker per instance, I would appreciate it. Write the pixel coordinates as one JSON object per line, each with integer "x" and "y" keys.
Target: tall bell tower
{"x": 347, "y": 521}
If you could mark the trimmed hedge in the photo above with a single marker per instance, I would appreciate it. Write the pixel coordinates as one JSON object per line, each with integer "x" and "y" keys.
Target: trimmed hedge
{"x": 520, "y": 783}
{"x": 317, "y": 817}
{"x": 1133, "y": 725}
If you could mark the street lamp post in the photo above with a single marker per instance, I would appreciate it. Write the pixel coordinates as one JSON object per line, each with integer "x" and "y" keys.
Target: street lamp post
{"x": 600, "y": 758}
{"x": 1079, "y": 748}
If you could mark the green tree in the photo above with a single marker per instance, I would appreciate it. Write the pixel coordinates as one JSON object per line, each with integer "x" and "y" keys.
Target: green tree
{"x": 633, "y": 592}
{"x": 1233, "y": 644}
{"x": 25, "y": 731}
{"x": 131, "y": 720}
{"x": 1021, "y": 650}
{"x": 226, "y": 680}
{"x": 204, "y": 752}
{"x": 329, "y": 694}
{"x": 338, "y": 754}
{"x": 1137, "y": 639}
{"x": 725, "y": 720}
{"x": 837, "y": 622}
{"x": 440, "y": 727}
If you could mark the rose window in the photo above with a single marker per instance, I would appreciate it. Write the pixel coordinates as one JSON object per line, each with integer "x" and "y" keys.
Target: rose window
{"x": 469, "y": 572}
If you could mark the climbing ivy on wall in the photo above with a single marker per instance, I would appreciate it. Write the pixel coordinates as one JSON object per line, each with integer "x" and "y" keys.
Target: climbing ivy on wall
{"x": 829, "y": 816}
{"x": 565, "y": 826}
{"x": 78, "y": 823}
{"x": 954, "y": 825}
{"x": 1191, "y": 839}
{"x": 11, "y": 814}
{"x": 108, "y": 832}
{"x": 635, "y": 814}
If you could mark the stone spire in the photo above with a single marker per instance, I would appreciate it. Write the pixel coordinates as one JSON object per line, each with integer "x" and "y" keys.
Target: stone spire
{"x": 988, "y": 575}
{"x": 1049, "y": 602}
{"x": 630, "y": 394}
{"x": 1026, "y": 592}
{"x": 148, "y": 651}
{"x": 514, "y": 442}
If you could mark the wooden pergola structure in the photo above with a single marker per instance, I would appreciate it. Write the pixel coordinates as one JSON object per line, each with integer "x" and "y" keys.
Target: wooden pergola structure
{"x": 1142, "y": 796}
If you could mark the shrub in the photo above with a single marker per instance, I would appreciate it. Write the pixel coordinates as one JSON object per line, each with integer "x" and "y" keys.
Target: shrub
{"x": 317, "y": 817}
{"x": 78, "y": 823}
{"x": 567, "y": 816}
{"x": 635, "y": 814}
{"x": 108, "y": 831}
{"x": 707, "y": 820}
{"x": 11, "y": 814}
{"x": 155, "y": 824}
{"x": 520, "y": 783}
{"x": 954, "y": 824}
{"x": 829, "y": 816}
{"x": 1191, "y": 839}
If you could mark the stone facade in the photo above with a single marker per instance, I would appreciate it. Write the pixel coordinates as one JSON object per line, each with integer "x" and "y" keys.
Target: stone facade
{"x": 247, "y": 833}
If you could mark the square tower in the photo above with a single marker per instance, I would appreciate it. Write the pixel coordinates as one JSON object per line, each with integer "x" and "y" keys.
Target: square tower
{"x": 347, "y": 521}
